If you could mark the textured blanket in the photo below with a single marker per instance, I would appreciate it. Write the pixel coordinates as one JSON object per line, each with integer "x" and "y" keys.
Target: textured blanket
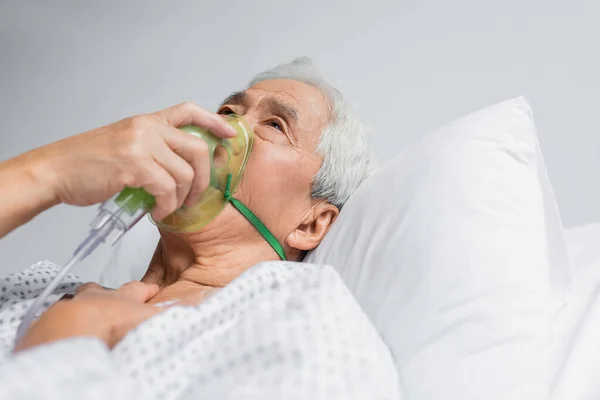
{"x": 281, "y": 330}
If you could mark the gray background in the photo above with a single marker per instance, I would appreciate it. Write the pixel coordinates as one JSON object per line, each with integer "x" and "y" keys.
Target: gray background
{"x": 409, "y": 66}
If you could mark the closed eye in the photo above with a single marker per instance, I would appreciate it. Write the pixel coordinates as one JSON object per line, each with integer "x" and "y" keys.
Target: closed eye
{"x": 226, "y": 111}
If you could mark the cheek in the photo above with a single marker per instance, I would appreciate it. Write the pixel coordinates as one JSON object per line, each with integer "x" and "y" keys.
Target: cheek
{"x": 275, "y": 170}
{"x": 276, "y": 183}
{"x": 276, "y": 186}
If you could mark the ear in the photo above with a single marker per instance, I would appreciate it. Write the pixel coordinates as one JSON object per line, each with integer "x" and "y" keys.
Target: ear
{"x": 313, "y": 227}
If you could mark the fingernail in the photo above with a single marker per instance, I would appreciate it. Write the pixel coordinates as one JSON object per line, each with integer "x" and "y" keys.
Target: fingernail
{"x": 232, "y": 130}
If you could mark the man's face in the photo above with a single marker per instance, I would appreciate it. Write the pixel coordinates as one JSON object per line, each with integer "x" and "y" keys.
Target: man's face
{"x": 287, "y": 118}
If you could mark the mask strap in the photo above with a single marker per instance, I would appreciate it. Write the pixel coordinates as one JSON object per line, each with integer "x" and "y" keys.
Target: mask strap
{"x": 253, "y": 219}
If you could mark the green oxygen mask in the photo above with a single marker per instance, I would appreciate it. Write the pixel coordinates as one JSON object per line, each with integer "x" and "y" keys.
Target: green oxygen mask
{"x": 228, "y": 159}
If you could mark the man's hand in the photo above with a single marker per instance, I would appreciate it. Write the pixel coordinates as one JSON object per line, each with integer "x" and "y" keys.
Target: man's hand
{"x": 94, "y": 311}
{"x": 145, "y": 151}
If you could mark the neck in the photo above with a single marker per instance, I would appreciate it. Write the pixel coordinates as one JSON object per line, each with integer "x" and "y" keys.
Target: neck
{"x": 207, "y": 259}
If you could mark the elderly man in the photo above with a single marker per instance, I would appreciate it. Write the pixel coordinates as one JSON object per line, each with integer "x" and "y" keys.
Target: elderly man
{"x": 310, "y": 153}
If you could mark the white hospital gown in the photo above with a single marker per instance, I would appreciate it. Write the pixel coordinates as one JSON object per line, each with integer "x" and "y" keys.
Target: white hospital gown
{"x": 282, "y": 330}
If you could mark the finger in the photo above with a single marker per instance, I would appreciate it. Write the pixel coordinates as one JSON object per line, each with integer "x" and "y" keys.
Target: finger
{"x": 180, "y": 170}
{"x": 159, "y": 183}
{"x": 191, "y": 114}
{"x": 138, "y": 291}
{"x": 88, "y": 288}
{"x": 195, "y": 152}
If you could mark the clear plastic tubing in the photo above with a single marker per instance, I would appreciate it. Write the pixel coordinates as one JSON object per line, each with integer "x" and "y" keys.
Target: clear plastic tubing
{"x": 115, "y": 217}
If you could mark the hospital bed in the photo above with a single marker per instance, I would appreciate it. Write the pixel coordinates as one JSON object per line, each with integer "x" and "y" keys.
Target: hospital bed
{"x": 456, "y": 251}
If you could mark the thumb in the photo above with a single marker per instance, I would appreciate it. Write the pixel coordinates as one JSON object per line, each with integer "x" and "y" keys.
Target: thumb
{"x": 138, "y": 291}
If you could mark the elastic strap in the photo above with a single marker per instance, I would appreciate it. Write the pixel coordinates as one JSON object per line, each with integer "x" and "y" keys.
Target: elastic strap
{"x": 253, "y": 219}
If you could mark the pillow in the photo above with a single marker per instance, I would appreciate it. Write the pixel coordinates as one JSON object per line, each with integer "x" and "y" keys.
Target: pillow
{"x": 576, "y": 328}
{"x": 455, "y": 251}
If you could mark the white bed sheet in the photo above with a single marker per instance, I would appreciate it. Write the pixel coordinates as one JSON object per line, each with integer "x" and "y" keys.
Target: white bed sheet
{"x": 577, "y": 326}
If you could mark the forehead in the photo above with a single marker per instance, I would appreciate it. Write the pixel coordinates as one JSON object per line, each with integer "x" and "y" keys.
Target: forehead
{"x": 308, "y": 101}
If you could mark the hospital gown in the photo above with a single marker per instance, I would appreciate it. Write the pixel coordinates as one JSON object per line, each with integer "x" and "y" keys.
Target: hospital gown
{"x": 281, "y": 330}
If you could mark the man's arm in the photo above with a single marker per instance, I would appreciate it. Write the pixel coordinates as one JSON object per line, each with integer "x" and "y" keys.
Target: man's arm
{"x": 107, "y": 315}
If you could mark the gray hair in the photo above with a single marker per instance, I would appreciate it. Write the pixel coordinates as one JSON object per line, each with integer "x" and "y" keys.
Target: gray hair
{"x": 344, "y": 144}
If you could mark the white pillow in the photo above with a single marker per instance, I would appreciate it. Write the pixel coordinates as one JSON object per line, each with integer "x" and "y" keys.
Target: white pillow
{"x": 454, "y": 250}
{"x": 576, "y": 328}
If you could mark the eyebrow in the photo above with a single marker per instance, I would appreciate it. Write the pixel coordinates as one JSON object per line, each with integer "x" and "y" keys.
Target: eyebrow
{"x": 236, "y": 98}
{"x": 281, "y": 108}
{"x": 273, "y": 104}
